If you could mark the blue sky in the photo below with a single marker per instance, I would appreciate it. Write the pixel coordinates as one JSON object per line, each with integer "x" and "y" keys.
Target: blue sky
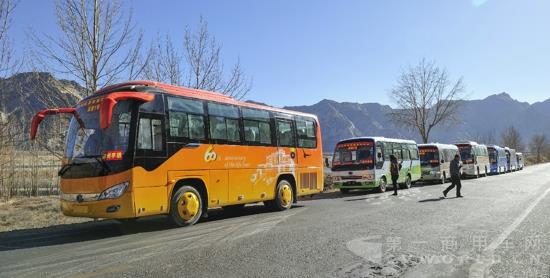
{"x": 300, "y": 52}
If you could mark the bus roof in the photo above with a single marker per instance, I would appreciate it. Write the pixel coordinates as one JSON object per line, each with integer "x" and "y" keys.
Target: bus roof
{"x": 467, "y": 143}
{"x": 496, "y": 147}
{"x": 194, "y": 93}
{"x": 377, "y": 139}
{"x": 439, "y": 146}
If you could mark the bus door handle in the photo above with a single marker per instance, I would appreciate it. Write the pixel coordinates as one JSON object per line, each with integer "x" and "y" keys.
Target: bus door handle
{"x": 305, "y": 154}
{"x": 191, "y": 145}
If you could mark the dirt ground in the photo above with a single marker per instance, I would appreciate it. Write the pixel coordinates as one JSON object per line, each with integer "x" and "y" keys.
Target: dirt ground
{"x": 34, "y": 212}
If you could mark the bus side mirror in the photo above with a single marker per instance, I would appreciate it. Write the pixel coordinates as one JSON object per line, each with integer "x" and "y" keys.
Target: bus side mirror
{"x": 39, "y": 117}
{"x": 109, "y": 102}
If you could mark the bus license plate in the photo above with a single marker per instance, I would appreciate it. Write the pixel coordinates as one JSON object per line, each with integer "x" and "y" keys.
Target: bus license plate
{"x": 80, "y": 209}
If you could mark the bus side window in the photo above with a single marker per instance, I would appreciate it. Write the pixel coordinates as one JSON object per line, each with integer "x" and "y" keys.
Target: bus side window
{"x": 307, "y": 137}
{"x": 186, "y": 118}
{"x": 224, "y": 122}
{"x": 285, "y": 136}
{"x": 388, "y": 150}
{"x": 257, "y": 126}
{"x": 379, "y": 155}
{"x": 414, "y": 152}
{"x": 406, "y": 153}
{"x": 397, "y": 151}
{"x": 150, "y": 134}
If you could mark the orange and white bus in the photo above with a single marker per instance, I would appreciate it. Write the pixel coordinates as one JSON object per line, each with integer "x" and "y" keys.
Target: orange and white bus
{"x": 144, "y": 148}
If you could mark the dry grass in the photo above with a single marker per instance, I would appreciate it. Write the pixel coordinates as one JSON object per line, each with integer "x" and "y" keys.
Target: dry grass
{"x": 34, "y": 212}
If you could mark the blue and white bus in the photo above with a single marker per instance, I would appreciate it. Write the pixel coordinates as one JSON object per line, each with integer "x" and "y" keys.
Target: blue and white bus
{"x": 498, "y": 160}
{"x": 512, "y": 160}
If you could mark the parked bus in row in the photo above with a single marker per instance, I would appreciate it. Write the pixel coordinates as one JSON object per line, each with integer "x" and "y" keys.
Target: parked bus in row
{"x": 512, "y": 160}
{"x": 435, "y": 160}
{"x": 521, "y": 163}
{"x": 498, "y": 159}
{"x": 475, "y": 159}
{"x": 144, "y": 148}
{"x": 364, "y": 163}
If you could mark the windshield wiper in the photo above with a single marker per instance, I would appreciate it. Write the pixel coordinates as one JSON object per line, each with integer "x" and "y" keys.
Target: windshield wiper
{"x": 66, "y": 167}
{"x": 99, "y": 159}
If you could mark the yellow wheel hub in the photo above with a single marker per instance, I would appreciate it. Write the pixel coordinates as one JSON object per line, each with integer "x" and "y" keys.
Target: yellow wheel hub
{"x": 188, "y": 205}
{"x": 286, "y": 195}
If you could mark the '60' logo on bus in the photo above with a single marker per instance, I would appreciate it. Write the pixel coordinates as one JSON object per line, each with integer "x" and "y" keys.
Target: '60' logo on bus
{"x": 210, "y": 155}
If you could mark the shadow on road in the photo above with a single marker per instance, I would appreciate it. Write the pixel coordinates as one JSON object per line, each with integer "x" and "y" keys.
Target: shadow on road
{"x": 338, "y": 194}
{"x": 94, "y": 230}
{"x": 436, "y": 199}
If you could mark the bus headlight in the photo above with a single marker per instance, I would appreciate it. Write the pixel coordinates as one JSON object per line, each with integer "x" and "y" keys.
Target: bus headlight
{"x": 114, "y": 192}
{"x": 368, "y": 177}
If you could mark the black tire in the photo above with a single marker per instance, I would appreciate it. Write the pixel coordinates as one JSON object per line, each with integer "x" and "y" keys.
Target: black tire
{"x": 344, "y": 190}
{"x": 477, "y": 173}
{"x": 485, "y": 171}
{"x": 283, "y": 200}
{"x": 383, "y": 185}
{"x": 186, "y": 206}
{"x": 408, "y": 183}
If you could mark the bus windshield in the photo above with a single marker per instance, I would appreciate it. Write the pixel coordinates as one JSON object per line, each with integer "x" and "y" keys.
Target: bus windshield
{"x": 88, "y": 144}
{"x": 429, "y": 156}
{"x": 354, "y": 156}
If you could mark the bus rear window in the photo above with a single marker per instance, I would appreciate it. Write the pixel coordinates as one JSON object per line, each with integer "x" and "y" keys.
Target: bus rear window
{"x": 465, "y": 153}
{"x": 429, "y": 156}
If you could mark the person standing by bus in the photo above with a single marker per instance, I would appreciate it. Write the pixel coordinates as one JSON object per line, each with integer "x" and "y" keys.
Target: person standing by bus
{"x": 395, "y": 167}
{"x": 455, "y": 177}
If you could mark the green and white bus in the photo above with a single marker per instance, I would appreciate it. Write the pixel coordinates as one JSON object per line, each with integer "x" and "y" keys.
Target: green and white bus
{"x": 364, "y": 163}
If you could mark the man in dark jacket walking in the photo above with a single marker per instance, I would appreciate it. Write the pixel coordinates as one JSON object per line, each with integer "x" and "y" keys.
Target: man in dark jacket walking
{"x": 455, "y": 177}
{"x": 395, "y": 167}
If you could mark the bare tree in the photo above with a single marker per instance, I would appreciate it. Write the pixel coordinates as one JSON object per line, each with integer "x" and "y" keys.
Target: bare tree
{"x": 425, "y": 98}
{"x": 488, "y": 137}
{"x": 199, "y": 67}
{"x": 539, "y": 146}
{"x": 511, "y": 138}
{"x": 165, "y": 63}
{"x": 7, "y": 61}
{"x": 98, "y": 43}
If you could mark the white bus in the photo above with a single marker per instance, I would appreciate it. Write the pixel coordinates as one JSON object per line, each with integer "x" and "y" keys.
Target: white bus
{"x": 512, "y": 159}
{"x": 521, "y": 163}
{"x": 475, "y": 159}
{"x": 364, "y": 163}
{"x": 435, "y": 160}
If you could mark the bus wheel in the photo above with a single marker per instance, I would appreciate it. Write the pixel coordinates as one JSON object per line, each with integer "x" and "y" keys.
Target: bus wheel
{"x": 284, "y": 196}
{"x": 383, "y": 185}
{"x": 344, "y": 190}
{"x": 407, "y": 183}
{"x": 186, "y": 206}
{"x": 477, "y": 173}
{"x": 485, "y": 171}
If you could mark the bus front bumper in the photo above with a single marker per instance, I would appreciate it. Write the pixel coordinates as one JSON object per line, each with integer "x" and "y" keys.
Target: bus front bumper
{"x": 121, "y": 207}
{"x": 431, "y": 176}
{"x": 359, "y": 184}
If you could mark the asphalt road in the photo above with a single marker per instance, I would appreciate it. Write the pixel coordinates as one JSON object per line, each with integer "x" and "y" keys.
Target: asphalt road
{"x": 499, "y": 229}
